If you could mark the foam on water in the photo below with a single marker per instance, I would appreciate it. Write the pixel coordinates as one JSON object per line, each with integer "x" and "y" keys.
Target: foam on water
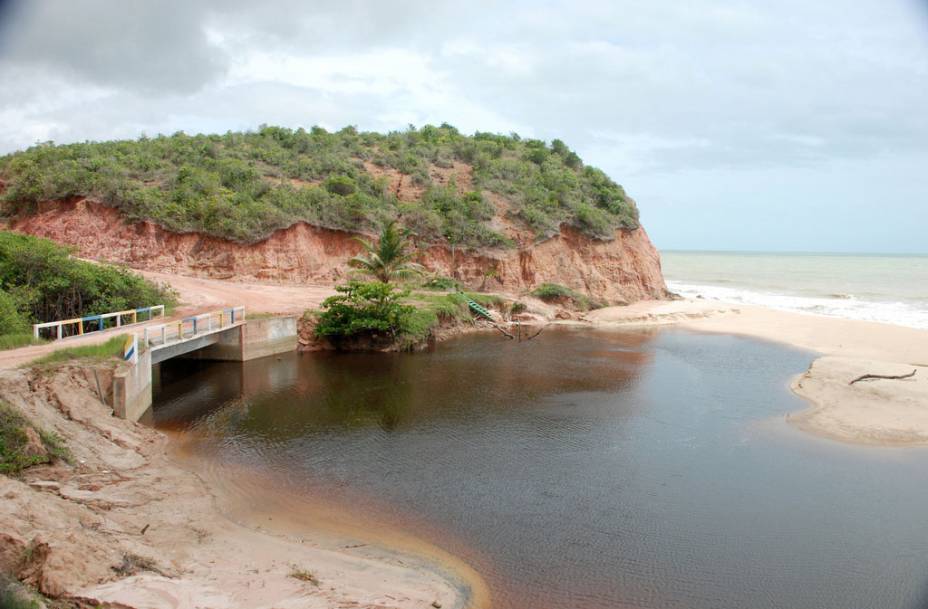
{"x": 836, "y": 305}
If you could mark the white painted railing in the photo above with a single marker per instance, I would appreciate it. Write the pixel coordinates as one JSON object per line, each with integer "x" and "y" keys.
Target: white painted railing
{"x": 100, "y": 320}
{"x": 191, "y": 327}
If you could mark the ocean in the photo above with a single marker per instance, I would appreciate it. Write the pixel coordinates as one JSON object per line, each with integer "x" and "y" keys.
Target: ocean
{"x": 891, "y": 289}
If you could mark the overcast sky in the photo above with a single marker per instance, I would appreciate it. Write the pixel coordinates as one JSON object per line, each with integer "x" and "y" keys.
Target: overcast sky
{"x": 789, "y": 125}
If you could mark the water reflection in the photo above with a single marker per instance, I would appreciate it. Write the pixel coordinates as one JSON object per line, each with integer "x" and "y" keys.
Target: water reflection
{"x": 584, "y": 469}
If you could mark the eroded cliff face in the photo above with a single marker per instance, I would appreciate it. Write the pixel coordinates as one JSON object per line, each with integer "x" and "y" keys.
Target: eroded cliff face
{"x": 625, "y": 269}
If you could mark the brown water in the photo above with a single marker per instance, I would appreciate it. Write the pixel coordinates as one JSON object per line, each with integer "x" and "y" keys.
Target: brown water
{"x": 583, "y": 469}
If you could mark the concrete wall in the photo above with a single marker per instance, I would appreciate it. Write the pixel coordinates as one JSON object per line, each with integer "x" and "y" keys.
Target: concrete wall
{"x": 132, "y": 388}
{"x": 269, "y": 336}
{"x": 256, "y": 338}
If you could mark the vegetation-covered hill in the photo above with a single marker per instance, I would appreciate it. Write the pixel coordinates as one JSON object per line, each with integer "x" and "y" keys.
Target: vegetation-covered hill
{"x": 243, "y": 186}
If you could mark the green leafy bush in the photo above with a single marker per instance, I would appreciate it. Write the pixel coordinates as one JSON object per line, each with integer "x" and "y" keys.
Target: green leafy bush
{"x": 364, "y": 309}
{"x": 11, "y": 320}
{"x": 41, "y": 282}
{"x": 239, "y": 185}
{"x": 340, "y": 185}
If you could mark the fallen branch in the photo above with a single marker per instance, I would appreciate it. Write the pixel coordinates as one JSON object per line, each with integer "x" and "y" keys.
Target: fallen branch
{"x": 542, "y": 329}
{"x": 890, "y": 377}
{"x": 500, "y": 328}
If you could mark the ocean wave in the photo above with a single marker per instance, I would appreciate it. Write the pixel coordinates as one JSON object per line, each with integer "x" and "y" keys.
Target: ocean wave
{"x": 846, "y": 306}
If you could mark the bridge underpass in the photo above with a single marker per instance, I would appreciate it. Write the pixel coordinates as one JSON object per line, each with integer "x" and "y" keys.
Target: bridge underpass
{"x": 224, "y": 335}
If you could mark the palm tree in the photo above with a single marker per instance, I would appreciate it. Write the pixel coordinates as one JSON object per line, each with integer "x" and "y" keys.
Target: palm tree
{"x": 389, "y": 259}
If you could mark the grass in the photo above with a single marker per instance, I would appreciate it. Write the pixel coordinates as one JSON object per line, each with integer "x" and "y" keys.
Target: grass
{"x": 101, "y": 351}
{"x": 9, "y": 599}
{"x": 13, "y": 442}
{"x": 14, "y": 341}
{"x": 304, "y": 576}
{"x": 439, "y": 283}
{"x": 262, "y": 315}
{"x": 555, "y": 292}
{"x": 431, "y": 310}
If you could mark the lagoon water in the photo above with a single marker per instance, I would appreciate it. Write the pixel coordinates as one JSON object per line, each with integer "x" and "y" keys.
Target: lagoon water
{"x": 584, "y": 469}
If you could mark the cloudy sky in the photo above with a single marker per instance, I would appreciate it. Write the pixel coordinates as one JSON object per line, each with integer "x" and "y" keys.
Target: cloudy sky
{"x": 789, "y": 125}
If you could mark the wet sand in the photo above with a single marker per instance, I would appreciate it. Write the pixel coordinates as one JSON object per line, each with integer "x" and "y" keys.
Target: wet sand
{"x": 126, "y": 525}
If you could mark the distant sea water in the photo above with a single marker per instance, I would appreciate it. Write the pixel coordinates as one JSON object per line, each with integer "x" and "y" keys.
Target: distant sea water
{"x": 890, "y": 289}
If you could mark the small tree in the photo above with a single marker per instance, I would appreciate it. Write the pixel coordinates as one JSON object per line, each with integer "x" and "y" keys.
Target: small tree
{"x": 390, "y": 258}
{"x": 362, "y": 309}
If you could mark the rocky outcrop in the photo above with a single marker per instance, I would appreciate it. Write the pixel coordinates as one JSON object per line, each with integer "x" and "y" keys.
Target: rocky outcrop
{"x": 625, "y": 269}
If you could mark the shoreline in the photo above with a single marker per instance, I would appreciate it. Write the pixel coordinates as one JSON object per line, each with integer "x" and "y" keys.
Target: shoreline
{"x": 879, "y": 412}
{"x": 132, "y": 504}
{"x": 127, "y": 525}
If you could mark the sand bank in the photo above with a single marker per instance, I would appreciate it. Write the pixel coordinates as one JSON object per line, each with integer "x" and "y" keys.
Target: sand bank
{"x": 125, "y": 526}
{"x": 877, "y": 412}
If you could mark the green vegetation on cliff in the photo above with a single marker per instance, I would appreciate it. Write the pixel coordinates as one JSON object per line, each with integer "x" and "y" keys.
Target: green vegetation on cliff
{"x": 39, "y": 281}
{"x": 243, "y": 186}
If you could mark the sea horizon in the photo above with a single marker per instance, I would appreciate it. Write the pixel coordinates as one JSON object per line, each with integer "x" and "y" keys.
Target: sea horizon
{"x": 795, "y": 253}
{"x": 885, "y": 288}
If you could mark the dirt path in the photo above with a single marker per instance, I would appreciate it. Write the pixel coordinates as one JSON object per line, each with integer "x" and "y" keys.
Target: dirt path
{"x": 197, "y": 293}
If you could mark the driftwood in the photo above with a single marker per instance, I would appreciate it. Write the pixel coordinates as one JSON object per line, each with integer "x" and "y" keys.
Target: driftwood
{"x": 540, "y": 330}
{"x": 871, "y": 377}
{"x": 501, "y": 329}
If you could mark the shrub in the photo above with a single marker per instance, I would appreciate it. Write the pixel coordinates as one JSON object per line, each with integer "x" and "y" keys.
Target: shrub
{"x": 44, "y": 284}
{"x": 340, "y": 185}
{"x": 364, "y": 309}
{"x": 11, "y": 321}
{"x": 555, "y": 292}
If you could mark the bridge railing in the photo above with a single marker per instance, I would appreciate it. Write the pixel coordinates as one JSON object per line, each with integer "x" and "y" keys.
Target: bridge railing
{"x": 75, "y": 327}
{"x": 191, "y": 327}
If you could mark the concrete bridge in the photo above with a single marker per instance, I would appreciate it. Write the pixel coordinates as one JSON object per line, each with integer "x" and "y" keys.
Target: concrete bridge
{"x": 222, "y": 335}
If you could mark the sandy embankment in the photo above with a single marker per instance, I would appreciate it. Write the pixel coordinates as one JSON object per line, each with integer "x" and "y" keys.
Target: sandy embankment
{"x": 880, "y": 412}
{"x": 124, "y": 526}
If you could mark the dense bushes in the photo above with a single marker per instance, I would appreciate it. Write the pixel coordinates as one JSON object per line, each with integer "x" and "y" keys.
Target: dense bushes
{"x": 41, "y": 282}
{"x": 11, "y": 321}
{"x": 379, "y": 315}
{"x": 243, "y": 186}
{"x": 364, "y": 310}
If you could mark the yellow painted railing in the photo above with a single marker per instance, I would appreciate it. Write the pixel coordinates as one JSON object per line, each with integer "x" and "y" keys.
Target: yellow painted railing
{"x": 131, "y": 316}
{"x": 191, "y": 327}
